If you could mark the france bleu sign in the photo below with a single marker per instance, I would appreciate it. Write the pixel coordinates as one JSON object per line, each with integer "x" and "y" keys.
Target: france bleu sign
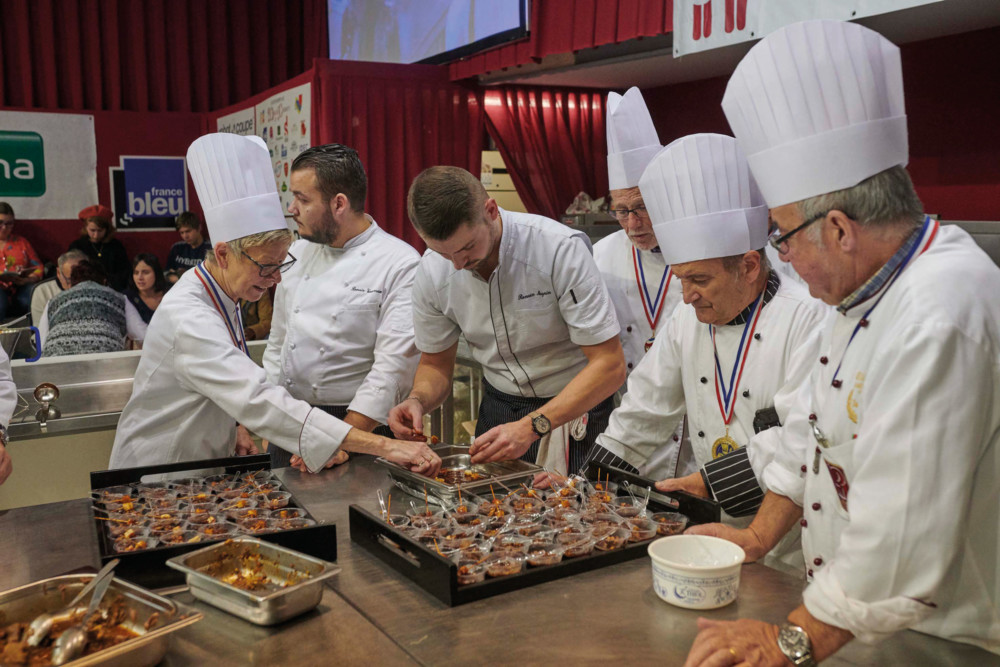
{"x": 149, "y": 192}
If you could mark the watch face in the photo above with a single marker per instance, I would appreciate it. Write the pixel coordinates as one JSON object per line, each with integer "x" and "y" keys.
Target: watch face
{"x": 794, "y": 642}
{"x": 541, "y": 424}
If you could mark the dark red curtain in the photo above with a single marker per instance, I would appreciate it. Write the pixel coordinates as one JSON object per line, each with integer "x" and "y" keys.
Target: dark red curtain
{"x": 401, "y": 119}
{"x": 153, "y": 55}
{"x": 564, "y": 26}
{"x": 553, "y": 143}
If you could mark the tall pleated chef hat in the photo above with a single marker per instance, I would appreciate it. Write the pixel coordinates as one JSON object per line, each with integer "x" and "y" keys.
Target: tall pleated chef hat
{"x": 818, "y": 107}
{"x": 235, "y": 183}
{"x": 702, "y": 200}
{"x": 632, "y": 140}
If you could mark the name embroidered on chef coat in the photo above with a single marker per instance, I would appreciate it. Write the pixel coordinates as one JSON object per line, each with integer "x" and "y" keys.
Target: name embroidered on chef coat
{"x": 366, "y": 291}
{"x": 853, "y": 398}
{"x": 532, "y": 295}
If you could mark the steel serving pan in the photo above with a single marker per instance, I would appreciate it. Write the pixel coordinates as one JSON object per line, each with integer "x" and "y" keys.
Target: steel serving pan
{"x": 297, "y": 579}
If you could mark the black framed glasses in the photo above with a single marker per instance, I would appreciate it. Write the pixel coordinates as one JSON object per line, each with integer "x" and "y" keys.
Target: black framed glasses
{"x": 268, "y": 270}
{"x": 779, "y": 241}
{"x": 623, "y": 213}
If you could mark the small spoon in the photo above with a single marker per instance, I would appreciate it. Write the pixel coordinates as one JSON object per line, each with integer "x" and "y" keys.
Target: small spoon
{"x": 72, "y": 641}
{"x": 381, "y": 503}
{"x": 39, "y": 628}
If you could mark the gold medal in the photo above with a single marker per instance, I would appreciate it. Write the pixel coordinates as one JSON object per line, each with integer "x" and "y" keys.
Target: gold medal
{"x": 724, "y": 445}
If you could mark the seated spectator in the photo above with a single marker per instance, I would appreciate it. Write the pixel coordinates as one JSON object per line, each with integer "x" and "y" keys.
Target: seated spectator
{"x": 89, "y": 316}
{"x": 147, "y": 285}
{"x": 257, "y": 317}
{"x": 97, "y": 240}
{"x": 21, "y": 267}
{"x": 45, "y": 290}
{"x": 190, "y": 250}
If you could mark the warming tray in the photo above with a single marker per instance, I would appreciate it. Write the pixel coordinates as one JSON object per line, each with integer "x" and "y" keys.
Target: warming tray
{"x": 456, "y": 457}
{"x": 273, "y": 604}
{"x": 23, "y": 604}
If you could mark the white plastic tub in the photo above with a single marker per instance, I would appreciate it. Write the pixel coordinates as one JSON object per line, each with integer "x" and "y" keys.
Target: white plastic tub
{"x": 696, "y": 571}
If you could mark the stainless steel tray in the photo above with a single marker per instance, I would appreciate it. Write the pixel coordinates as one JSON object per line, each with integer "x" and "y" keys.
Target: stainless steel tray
{"x": 23, "y": 604}
{"x": 289, "y": 596}
{"x": 509, "y": 473}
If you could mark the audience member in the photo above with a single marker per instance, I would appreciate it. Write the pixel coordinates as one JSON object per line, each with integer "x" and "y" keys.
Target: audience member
{"x": 21, "y": 267}
{"x": 190, "y": 250}
{"x": 97, "y": 240}
{"x": 89, "y": 316}
{"x": 257, "y": 317}
{"x": 45, "y": 290}
{"x": 147, "y": 286}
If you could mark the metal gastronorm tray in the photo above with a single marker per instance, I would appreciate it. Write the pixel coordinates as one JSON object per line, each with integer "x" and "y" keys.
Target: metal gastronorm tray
{"x": 24, "y": 603}
{"x": 268, "y": 607}
{"x": 510, "y": 473}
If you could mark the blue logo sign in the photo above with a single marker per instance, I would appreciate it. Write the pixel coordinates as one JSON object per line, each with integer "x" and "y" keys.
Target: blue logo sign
{"x": 155, "y": 187}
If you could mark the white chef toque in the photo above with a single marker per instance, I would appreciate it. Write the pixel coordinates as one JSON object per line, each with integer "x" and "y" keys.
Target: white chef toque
{"x": 818, "y": 107}
{"x": 703, "y": 201}
{"x": 235, "y": 183}
{"x": 632, "y": 140}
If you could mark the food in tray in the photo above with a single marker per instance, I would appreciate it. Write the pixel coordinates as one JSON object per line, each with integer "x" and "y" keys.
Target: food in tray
{"x": 105, "y": 629}
{"x": 471, "y": 572}
{"x": 295, "y": 513}
{"x": 256, "y": 525}
{"x": 641, "y": 529}
{"x": 220, "y": 529}
{"x": 670, "y": 523}
{"x": 612, "y": 541}
{"x": 135, "y": 544}
{"x": 275, "y": 500}
{"x": 544, "y": 553}
{"x": 182, "y": 537}
{"x": 503, "y": 565}
{"x": 162, "y": 526}
{"x": 247, "y": 570}
{"x": 455, "y": 476}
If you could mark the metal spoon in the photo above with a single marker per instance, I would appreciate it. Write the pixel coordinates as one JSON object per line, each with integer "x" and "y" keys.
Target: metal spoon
{"x": 71, "y": 642}
{"x": 39, "y": 628}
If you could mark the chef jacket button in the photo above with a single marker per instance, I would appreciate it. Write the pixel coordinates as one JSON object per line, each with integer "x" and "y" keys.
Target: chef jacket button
{"x": 704, "y": 380}
{"x": 628, "y": 329}
{"x": 322, "y": 350}
{"x": 630, "y": 365}
{"x": 346, "y": 284}
{"x": 756, "y": 336}
{"x": 676, "y": 439}
{"x": 817, "y": 561}
{"x": 296, "y": 309}
{"x": 746, "y": 393}
{"x": 292, "y": 346}
{"x": 836, "y": 384}
{"x": 803, "y": 523}
{"x": 812, "y": 417}
{"x": 305, "y": 278}
{"x": 809, "y": 573}
{"x": 816, "y": 507}
{"x": 863, "y": 322}
{"x": 804, "y": 468}
{"x": 701, "y": 434}
{"x": 824, "y": 360}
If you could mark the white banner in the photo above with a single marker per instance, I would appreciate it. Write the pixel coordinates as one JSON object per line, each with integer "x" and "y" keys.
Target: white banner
{"x": 48, "y": 164}
{"x": 239, "y": 122}
{"x": 284, "y": 122}
{"x": 700, "y": 25}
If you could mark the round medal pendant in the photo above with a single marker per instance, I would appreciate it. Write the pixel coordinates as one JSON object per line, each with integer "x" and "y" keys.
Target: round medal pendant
{"x": 722, "y": 446}
{"x": 649, "y": 343}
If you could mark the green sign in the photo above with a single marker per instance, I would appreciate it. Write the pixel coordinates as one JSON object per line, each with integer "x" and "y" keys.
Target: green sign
{"x": 22, "y": 164}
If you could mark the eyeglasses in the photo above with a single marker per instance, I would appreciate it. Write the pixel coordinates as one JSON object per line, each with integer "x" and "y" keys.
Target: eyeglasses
{"x": 268, "y": 270}
{"x": 9, "y": 223}
{"x": 623, "y": 213}
{"x": 779, "y": 241}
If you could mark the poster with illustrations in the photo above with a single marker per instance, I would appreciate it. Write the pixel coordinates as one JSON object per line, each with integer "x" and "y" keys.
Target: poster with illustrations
{"x": 284, "y": 122}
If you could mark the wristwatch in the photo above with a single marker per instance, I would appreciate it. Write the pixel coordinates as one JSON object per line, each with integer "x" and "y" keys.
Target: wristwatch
{"x": 3, "y": 435}
{"x": 540, "y": 424}
{"x": 794, "y": 643}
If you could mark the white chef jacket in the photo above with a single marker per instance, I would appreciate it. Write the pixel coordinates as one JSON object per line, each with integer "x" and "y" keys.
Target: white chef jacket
{"x": 193, "y": 385}
{"x": 8, "y": 390}
{"x": 526, "y": 323}
{"x": 613, "y": 255}
{"x": 342, "y": 328}
{"x": 902, "y": 522}
{"x": 677, "y": 375}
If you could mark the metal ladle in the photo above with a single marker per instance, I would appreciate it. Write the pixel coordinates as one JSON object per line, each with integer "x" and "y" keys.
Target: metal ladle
{"x": 46, "y": 393}
{"x": 73, "y": 640}
{"x": 39, "y": 628}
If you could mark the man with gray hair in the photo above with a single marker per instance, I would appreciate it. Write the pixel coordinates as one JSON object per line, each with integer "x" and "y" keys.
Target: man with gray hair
{"x": 897, "y": 493}
{"x": 47, "y": 289}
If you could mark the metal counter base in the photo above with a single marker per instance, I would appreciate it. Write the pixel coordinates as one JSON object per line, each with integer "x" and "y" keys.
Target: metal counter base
{"x": 371, "y": 615}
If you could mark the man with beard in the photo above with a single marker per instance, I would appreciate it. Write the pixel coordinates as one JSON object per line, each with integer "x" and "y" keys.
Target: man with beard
{"x": 342, "y": 329}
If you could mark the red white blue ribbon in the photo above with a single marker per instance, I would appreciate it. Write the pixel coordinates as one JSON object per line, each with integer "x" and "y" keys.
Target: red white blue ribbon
{"x": 652, "y": 307}
{"x": 236, "y": 332}
{"x": 727, "y": 398}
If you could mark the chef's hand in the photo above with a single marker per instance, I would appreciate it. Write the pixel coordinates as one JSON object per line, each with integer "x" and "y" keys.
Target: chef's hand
{"x": 742, "y": 642}
{"x": 745, "y": 538}
{"x": 244, "y": 442}
{"x": 416, "y": 456}
{"x": 337, "y": 459}
{"x": 693, "y": 484}
{"x": 407, "y": 420}
{"x": 548, "y": 480}
{"x": 504, "y": 442}
{"x": 6, "y": 465}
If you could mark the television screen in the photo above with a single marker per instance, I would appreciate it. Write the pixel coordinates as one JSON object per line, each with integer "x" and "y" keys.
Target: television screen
{"x": 421, "y": 31}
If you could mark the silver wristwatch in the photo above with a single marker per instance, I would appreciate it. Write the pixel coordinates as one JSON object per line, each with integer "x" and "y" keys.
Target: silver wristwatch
{"x": 3, "y": 435}
{"x": 794, "y": 643}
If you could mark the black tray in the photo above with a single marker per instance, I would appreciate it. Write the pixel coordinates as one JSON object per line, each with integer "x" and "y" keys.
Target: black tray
{"x": 439, "y": 576}
{"x": 148, "y": 568}
{"x": 698, "y": 510}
